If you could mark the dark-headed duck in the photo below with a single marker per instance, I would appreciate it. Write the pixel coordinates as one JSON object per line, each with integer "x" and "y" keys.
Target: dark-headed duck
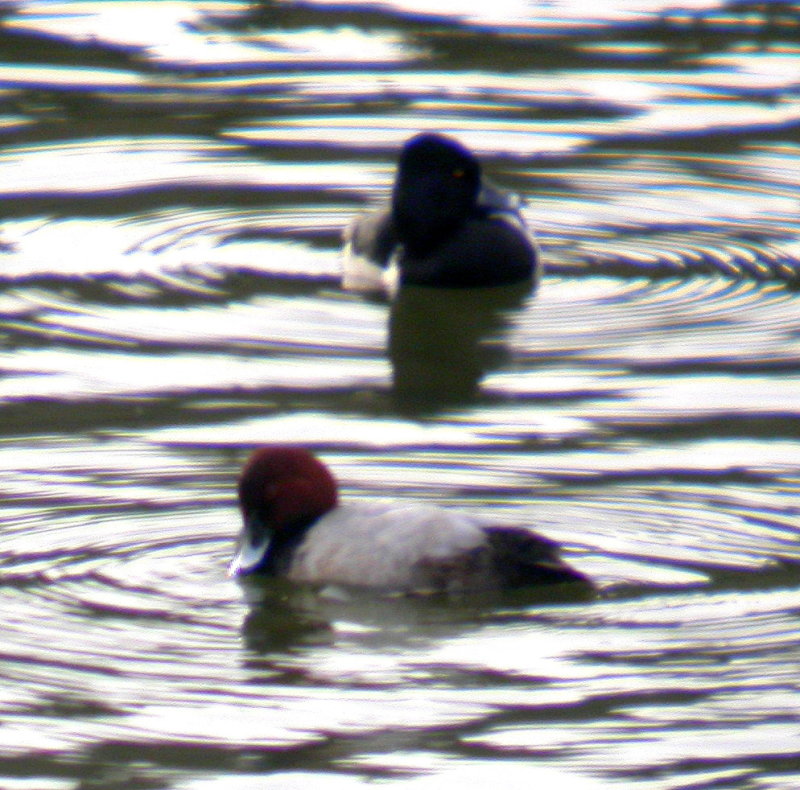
{"x": 445, "y": 226}
{"x": 295, "y": 527}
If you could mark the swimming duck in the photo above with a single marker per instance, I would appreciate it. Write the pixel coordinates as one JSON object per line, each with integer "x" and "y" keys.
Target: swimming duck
{"x": 295, "y": 527}
{"x": 445, "y": 226}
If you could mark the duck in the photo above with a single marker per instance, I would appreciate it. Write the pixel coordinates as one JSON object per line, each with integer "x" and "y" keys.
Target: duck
{"x": 296, "y": 528}
{"x": 445, "y": 226}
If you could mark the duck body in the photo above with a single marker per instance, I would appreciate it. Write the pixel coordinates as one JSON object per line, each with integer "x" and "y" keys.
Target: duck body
{"x": 445, "y": 226}
{"x": 396, "y": 546}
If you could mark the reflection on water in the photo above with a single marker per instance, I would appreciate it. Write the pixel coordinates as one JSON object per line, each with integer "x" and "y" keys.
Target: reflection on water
{"x": 442, "y": 342}
{"x": 174, "y": 178}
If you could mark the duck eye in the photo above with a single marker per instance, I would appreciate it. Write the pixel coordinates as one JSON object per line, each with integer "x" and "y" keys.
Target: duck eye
{"x": 458, "y": 173}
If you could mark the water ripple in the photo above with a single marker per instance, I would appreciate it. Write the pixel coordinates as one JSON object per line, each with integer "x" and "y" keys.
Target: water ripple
{"x": 174, "y": 178}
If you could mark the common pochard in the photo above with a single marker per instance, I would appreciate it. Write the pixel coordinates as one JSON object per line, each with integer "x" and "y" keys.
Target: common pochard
{"x": 295, "y": 527}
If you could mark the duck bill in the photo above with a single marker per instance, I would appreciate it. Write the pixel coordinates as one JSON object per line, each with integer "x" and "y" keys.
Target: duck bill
{"x": 251, "y": 547}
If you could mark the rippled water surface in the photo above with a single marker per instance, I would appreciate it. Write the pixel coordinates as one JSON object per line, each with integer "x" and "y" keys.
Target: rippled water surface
{"x": 174, "y": 178}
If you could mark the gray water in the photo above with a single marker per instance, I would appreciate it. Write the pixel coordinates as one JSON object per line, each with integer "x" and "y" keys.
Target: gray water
{"x": 174, "y": 179}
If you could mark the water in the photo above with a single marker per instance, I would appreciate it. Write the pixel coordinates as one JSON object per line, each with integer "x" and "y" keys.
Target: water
{"x": 174, "y": 179}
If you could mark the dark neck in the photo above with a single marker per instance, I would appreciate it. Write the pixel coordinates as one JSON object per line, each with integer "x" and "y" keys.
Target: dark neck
{"x": 282, "y": 547}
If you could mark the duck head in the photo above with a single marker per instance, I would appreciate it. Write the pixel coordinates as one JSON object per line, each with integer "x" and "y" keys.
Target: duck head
{"x": 282, "y": 492}
{"x": 435, "y": 191}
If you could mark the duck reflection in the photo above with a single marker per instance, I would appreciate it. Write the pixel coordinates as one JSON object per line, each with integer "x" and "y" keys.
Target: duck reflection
{"x": 443, "y": 341}
{"x": 285, "y": 618}
{"x": 279, "y": 618}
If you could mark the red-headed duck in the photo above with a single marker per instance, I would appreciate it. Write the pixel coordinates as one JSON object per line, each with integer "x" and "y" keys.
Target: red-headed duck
{"x": 445, "y": 226}
{"x": 295, "y": 527}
